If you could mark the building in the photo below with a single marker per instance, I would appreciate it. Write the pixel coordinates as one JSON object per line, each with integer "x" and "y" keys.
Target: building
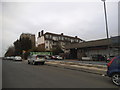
{"x": 30, "y": 36}
{"x": 89, "y": 48}
{"x": 50, "y": 41}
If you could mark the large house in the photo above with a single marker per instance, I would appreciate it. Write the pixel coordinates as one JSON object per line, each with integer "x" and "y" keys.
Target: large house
{"x": 49, "y": 41}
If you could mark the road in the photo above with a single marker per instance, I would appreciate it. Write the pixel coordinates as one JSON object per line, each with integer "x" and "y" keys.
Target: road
{"x": 22, "y": 75}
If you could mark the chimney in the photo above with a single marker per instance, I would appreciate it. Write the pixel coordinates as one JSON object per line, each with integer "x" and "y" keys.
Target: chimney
{"x": 75, "y": 36}
{"x": 61, "y": 33}
{"x": 42, "y": 32}
{"x": 38, "y": 34}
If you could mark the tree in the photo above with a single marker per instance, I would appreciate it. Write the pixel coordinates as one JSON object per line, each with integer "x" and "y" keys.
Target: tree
{"x": 18, "y": 49}
{"x": 22, "y": 44}
{"x": 26, "y": 43}
{"x": 10, "y": 51}
{"x": 57, "y": 50}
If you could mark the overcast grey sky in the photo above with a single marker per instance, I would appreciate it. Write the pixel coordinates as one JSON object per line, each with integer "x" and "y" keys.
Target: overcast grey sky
{"x": 82, "y": 19}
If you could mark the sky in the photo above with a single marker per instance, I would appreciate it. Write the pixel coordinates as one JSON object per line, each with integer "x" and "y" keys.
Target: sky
{"x": 83, "y": 18}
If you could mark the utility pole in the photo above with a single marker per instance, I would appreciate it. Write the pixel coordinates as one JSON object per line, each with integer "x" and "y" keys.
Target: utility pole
{"x": 106, "y": 27}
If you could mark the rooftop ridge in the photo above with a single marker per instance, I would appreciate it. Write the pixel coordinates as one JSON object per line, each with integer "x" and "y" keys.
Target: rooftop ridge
{"x": 62, "y": 35}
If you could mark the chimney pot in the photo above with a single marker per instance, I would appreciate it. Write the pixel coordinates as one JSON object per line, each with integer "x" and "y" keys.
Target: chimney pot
{"x": 38, "y": 34}
{"x": 75, "y": 36}
{"x": 61, "y": 33}
{"x": 42, "y": 32}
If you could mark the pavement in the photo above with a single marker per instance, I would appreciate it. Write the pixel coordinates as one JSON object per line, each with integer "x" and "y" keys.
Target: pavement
{"x": 91, "y": 68}
{"x": 85, "y": 66}
{"x": 87, "y": 62}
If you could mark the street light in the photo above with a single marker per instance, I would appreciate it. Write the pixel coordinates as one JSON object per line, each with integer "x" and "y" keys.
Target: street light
{"x": 106, "y": 18}
{"x": 106, "y": 26}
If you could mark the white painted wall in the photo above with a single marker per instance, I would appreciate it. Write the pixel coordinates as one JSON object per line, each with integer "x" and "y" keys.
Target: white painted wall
{"x": 47, "y": 44}
{"x": 40, "y": 40}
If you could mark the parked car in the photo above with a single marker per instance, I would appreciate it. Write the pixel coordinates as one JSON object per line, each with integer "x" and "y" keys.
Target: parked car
{"x": 113, "y": 70}
{"x": 57, "y": 57}
{"x": 47, "y": 57}
{"x": 7, "y": 58}
{"x": 53, "y": 57}
{"x": 17, "y": 58}
{"x": 35, "y": 59}
{"x": 4, "y": 58}
{"x": 12, "y": 58}
{"x": 98, "y": 57}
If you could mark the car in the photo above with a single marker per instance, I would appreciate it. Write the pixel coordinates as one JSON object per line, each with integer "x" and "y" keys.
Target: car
{"x": 57, "y": 57}
{"x": 110, "y": 58}
{"x": 47, "y": 57}
{"x": 113, "y": 70}
{"x": 8, "y": 58}
{"x": 12, "y": 58}
{"x": 53, "y": 57}
{"x": 4, "y": 58}
{"x": 17, "y": 58}
{"x": 98, "y": 57}
{"x": 35, "y": 59}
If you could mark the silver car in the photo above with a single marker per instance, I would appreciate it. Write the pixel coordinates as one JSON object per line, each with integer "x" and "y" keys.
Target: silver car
{"x": 17, "y": 58}
{"x": 36, "y": 59}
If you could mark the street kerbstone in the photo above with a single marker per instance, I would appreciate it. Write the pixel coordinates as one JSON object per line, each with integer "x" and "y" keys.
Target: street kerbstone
{"x": 97, "y": 69}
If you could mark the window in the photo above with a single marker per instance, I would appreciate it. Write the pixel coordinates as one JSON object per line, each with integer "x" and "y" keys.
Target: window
{"x": 46, "y": 41}
{"x": 46, "y": 47}
{"x": 116, "y": 61}
{"x": 77, "y": 40}
{"x": 72, "y": 40}
{"x": 68, "y": 39}
{"x": 59, "y": 38}
{"x": 46, "y": 36}
{"x": 50, "y": 36}
{"x": 62, "y": 38}
{"x": 54, "y": 38}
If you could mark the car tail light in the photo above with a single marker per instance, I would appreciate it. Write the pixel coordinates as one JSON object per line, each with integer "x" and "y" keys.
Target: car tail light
{"x": 111, "y": 62}
{"x": 36, "y": 57}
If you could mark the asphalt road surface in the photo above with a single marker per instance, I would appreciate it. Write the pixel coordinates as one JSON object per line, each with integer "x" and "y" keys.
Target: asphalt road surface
{"x": 21, "y": 75}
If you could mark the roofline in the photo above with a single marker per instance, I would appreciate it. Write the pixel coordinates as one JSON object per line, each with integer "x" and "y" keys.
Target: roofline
{"x": 63, "y": 35}
{"x": 28, "y": 33}
{"x": 92, "y": 44}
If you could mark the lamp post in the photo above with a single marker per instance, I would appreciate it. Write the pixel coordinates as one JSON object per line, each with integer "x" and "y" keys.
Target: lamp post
{"x": 106, "y": 26}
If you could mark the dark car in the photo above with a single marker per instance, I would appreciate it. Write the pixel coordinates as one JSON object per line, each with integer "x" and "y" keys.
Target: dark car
{"x": 98, "y": 57}
{"x": 113, "y": 70}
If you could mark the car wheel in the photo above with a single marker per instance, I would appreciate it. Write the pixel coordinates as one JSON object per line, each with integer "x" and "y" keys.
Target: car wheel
{"x": 116, "y": 79}
{"x": 33, "y": 63}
